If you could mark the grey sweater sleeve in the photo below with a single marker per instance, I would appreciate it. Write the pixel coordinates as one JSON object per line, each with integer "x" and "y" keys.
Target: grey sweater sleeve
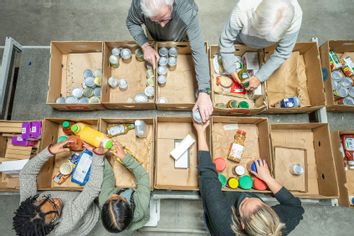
{"x": 28, "y": 175}
{"x": 280, "y": 55}
{"x": 134, "y": 22}
{"x": 92, "y": 188}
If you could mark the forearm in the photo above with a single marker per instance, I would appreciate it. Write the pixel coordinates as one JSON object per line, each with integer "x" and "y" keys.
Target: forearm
{"x": 273, "y": 185}
{"x": 141, "y": 176}
{"x": 202, "y": 142}
{"x": 93, "y": 185}
{"x": 108, "y": 183}
{"x": 134, "y": 23}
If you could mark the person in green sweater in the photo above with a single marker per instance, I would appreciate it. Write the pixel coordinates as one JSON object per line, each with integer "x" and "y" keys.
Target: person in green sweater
{"x": 124, "y": 209}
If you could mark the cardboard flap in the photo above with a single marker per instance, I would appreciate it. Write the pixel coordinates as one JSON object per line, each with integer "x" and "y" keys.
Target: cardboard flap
{"x": 302, "y": 89}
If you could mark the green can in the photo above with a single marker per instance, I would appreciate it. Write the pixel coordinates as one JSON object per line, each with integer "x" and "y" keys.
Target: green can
{"x": 246, "y": 182}
{"x": 244, "y": 105}
{"x": 232, "y": 104}
{"x": 222, "y": 180}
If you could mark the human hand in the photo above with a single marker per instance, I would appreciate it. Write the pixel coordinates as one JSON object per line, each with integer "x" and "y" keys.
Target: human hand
{"x": 204, "y": 105}
{"x": 235, "y": 77}
{"x": 59, "y": 147}
{"x": 200, "y": 128}
{"x": 99, "y": 151}
{"x": 263, "y": 172}
{"x": 253, "y": 83}
{"x": 150, "y": 55}
{"x": 118, "y": 150}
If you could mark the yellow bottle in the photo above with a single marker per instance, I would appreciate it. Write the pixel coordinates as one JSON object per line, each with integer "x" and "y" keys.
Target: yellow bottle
{"x": 91, "y": 136}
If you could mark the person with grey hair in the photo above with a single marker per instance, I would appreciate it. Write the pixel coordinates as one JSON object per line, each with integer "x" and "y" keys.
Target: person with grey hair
{"x": 259, "y": 24}
{"x": 173, "y": 20}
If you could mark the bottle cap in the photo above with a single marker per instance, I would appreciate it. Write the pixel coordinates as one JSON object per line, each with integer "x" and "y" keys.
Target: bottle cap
{"x": 253, "y": 166}
{"x": 75, "y": 128}
{"x": 240, "y": 170}
{"x": 220, "y": 164}
{"x": 246, "y": 182}
{"x": 108, "y": 144}
{"x": 66, "y": 124}
{"x": 131, "y": 126}
{"x": 232, "y": 183}
{"x": 222, "y": 180}
{"x": 259, "y": 184}
{"x": 62, "y": 139}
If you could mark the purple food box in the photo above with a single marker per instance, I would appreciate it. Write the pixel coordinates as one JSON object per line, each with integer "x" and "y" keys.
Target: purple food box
{"x": 36, "y": 127}
{"x": 19, "y": 141}
{"x": 26, "y": 130}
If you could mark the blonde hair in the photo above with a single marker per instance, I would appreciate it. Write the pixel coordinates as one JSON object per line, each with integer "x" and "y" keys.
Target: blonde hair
{"x": 263, "y": 221}
{"x": 272, "y": 19}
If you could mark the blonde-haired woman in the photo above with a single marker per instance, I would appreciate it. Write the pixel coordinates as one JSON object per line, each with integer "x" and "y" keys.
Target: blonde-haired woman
{"x": 259, "y": 24}
{"x": 243, "y": 213}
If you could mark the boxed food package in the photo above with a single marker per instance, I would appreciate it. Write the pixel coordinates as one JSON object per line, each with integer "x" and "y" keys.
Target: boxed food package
{"x": 337, "y": 58}
{"x": 75, "y": 75}
{"x": 296, "y": 86}
{"x": 128, "y": 81}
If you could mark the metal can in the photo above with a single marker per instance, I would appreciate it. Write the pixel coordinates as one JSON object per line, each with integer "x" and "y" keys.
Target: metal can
{"x": 341, "y": 92}
{"x": 172, "y": 63}
{"x": 71, "y": 100}
{"x": 94, "y": 100}
{"x": 113, "y": 82}
{"x": 351, "y": 92}
{"x": 98, "y": 73}
{"x": 126, "y": 55}
{"x": 162, "y": 70}
{"x": 172, "y": 52}
{"x": 163, "y": 52}
{"x": 337, "y": 75}
{"x": 161, "y": 80}
{"x": 290, "y": 102}
{"x": 88, "y": 92}
{"x": 150, "y": 82}
{"x": 348, "y": 101}
{"x": 116, "y": 52}
{"x": 84, "y": 100}
{"x": 141, "y": 98}
{"x": 335, "y": 84}
{"x": 296, "y": 169}
{"x": 139, "y": 54}
{"x": 97, "y": 91}
{"x": 88, "y": 73}
{"x": 123, "y": 84}
{"x": 149, "y": 91}
{"x": 114, "y": 61}
{"x": 162, "y": 100}
{"x": 346, "y": 82}
{"x": 149, "y": 73}
{"x": 197, "y": 117}
{"x": 140, "y": 129}
{"x": 163, "y": 61}
{"x": 90, "y": 82}
{"x": 231, "y": 104}
{"x": 60, "y": 100}
{"x": 97, "y": 81}
{"x": 77, "y": 92}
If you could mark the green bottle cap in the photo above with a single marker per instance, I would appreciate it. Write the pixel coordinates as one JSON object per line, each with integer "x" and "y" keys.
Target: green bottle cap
{"x": 66, "y": 124}
{"x": 62, "y": 138}
{"x": 246, "y": 85}
{"x": 108, "y": 144}
{"x": 246, "y": 182}
{"x": 222, "y": 180}
{"x": 75, "y": 128}
{"x": 131, "y": 126}
{"x": 244, "y": 104}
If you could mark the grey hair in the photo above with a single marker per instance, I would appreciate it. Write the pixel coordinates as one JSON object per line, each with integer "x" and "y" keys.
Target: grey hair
{"x": 152, "y": 8}
{"x": 272, "y": 19}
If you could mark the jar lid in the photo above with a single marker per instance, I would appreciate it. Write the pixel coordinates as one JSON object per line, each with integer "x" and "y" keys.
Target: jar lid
{"x": 232, "y": 183}
{"x": 220, "y": 164}
{"x": 244, "y": 104}
{"x": 259, "y": 184}
{"x": 246, "y": 182}
{"x": 222, "y": 180}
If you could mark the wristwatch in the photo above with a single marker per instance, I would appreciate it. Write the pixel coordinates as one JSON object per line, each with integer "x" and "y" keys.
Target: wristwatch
{"x": 206, "y": 90}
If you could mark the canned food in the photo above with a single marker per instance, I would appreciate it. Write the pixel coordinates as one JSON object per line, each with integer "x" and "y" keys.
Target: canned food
{"x": 197, "y": 117}
{"x": 162, "y": 70}
{"x": 97, "y": 92}
{"x": 172, "y": 63}
{"x": 77, "y": 92}
{"x": 97, "y": 81}
{"x": 126, "y": 55}
{"x": 337, "y": 75}
{"x": 348, "y": 101}
{"x": 150, "y": 82}
{"x": 60, "y": 100}
{"x": 114, "y": 61}
{"x": 94, "y": 100}
{"x": 346, "y": 82}
{"x": 90, "y": 82}
{"x": 88, "y": 92}
{"x": 88, "y": 73}
{"x": 71, "y": 100}
{"x": 150, "y": 73}
{"x": 84, "y": 100}
{"x": 97, "y": 73}
{"x": 172, "y": 52}
{"x": 149, "y": 91}
{"x": 139, "y": 54}
{"x": 161, "y": 80}
{"x": 163, "y": 52}
{"x": 140, "y": 129}
{"x": 123, "y": 84}
{"x": 341, "y": 92}
{"x": 141, "y": 98}
{"x": 351, "y": 92}
{"x": 335, "y": 84}
{"x": 162, "y": 100}
{"x": 296, "y": 169}
{"x": 163, "y": 61}
{"x": 113, "y": 82}
{"x": 116, "y": 52}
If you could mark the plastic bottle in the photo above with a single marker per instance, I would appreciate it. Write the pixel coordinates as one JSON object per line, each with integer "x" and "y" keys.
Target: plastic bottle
{"x": 237, "y": 147}
{"x": 119, "y": 129}
{"x": 66, "y": 125}
{"x": 91, "y": 136}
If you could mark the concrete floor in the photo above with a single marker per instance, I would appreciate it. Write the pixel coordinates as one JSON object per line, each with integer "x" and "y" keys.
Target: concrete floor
{"x": 39, "y": 22}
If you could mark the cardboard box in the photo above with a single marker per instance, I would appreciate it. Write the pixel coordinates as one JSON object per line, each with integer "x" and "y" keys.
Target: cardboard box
{"x": 9, "y": 152}
{"x": 68, "y": 60}
{"x": 345, "y": 177}
{"x": 135, "y": 74}
{"x": 181, "y": 86}
{"x": 321, "y": 181}
{"x": 170, "y": 129}
{"x": 301, "y": 76}
{"x": 257, "y": 145}
{"x": 339, "y": 47}
{"x": 51, "y": 131}
{"x": 141, "y": 148}
{"x": 259, "y": 103}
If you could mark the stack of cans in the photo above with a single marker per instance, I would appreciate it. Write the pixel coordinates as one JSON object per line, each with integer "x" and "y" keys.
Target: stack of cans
{"x": 343, "y": 89}
{"x": 88, "y": 93}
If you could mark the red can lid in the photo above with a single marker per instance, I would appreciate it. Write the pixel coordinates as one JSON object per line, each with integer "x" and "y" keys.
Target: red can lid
{"x": 259, "y": 184}
{"x": 240, "y": 131}
{"x": 220, "y": 164}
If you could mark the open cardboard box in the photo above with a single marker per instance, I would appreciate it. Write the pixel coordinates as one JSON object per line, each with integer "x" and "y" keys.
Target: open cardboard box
{"x": 321, "y": 182}
{"x": 68, "y": 60}
{"x": 181, "y": 85}
{"x": 257, "y": 144}
{"x": 51, "y": 131}
{"x": 141, "y": 148}
{"x": 345, "y": 177}
{"x": 339, "y": 47}
{"x": 135, "y": 74}
{"x": 259, "y": 103}
{"x": 170, "y": 129}
{"x": 300, "y": 75}
{"x": 9, "y": 152}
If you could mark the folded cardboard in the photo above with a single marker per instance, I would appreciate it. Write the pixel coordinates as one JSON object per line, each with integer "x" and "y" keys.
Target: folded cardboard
{"x": 339, "y": 47}
{"x": 345, "y": 176}
{"x": 181, "y": 86}
{"x": 51, "y": 131}
{"x": 133, "y": 72}
{"x": 301, "y": 76}
{"x": 315, "y": 139}
{"x": 68, "y": 60}
{"x": 167, "y": 176}
{"x": 218, "y": 97}
{"x": 257, "y": 144}
{"x": 141, "y": 148}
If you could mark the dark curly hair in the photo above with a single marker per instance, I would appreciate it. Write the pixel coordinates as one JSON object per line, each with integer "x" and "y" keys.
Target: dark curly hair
{"x": 29, "y": 220}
